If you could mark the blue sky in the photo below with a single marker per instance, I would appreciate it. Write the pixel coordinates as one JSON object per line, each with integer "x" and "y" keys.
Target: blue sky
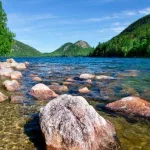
{"x": 48, "y": 24}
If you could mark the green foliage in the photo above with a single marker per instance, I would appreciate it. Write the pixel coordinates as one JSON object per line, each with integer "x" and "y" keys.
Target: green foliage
{"x": 22, "y": 50}
{"x": 134, "y": 41}
{"x": 70, "y": 49}
{"x": 6, "y": 36}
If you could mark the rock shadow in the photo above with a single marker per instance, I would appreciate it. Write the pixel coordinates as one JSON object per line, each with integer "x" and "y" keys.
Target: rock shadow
{"x": 33, "y": 131}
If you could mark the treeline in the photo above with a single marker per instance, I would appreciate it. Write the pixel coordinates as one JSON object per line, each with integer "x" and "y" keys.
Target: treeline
{"x": 134, "y": 41}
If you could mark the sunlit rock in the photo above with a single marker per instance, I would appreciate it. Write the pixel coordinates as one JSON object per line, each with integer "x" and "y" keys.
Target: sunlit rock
{"x": 131, "y": 106}
{"x": 42, "y": 92}
{"x": 21, "y": 66}
{"x": 103, "y": 77}
{"x": 6, "y": 72}
{"x": 84, "y": 90}
{"x": 16, "y": 75}
{"x": 70, "y": 123}
{"x": 87, "y": 76}
{"x": 11, "y": 85}
{"x": 37, "y": 78}
{"x": 11, "y": 60}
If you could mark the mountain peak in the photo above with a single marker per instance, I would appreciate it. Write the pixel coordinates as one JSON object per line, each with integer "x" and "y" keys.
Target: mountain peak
{"x": 82, "y": 44}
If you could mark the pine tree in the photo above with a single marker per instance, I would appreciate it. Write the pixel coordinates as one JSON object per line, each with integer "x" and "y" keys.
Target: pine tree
{"x": 6, "y": 36}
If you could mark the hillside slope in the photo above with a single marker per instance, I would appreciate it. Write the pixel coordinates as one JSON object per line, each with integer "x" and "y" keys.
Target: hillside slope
{"x": 80, "y": 48}
{"x": 23, "y": 50}
{"x": 134, "y": 41}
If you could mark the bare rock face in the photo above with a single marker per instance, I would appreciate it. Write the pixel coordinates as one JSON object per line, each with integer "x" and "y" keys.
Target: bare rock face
{"x": 131, "y": 106}
{"x": 11, "y": 85}
{"x": 6, "y": 72}
{"x": 70, "y": 123}
{"x": 42, "y": 92}
{"x": 87, "y": 76}
{"x": 82, "y": 44}
{"x": 103, "y": 77}
{"x": 84, "y": 90}
{"x": 3, "y": 97}
{"x": 16, "y": 75}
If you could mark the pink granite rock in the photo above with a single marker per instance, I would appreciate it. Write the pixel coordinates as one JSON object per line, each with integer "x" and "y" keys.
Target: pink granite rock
{"x": 42, "y": 92}
{"x": 70, "y": 123}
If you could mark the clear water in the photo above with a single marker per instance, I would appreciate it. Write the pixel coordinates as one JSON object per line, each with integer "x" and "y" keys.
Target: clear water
{"x": 18, "y": 129}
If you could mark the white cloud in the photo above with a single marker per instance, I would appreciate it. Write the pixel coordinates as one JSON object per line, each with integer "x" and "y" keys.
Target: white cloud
{"x": 129, "y": 13}
{"x": 145, "y": 11}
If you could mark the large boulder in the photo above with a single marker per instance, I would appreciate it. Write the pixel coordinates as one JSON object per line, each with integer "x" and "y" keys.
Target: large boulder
{"x": 87, "y": 76}
{"x": 42, "y": 92}
{"x": 70, "y": 123}
{"x": 3, "y": 97}
{"x": 5, "y": 72}
{"x": 131, "y": 106}
{"x": 16, "y": 75}
{"x": 11, "y": 85}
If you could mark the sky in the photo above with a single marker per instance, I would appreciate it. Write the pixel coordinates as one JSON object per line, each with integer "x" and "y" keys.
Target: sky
{"x": 48, "y": 24}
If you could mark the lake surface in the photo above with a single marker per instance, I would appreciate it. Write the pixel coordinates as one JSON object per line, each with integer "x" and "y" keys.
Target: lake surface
{"x": 18, "y": 129}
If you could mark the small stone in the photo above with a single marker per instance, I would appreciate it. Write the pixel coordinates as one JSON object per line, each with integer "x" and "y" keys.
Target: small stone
{"x": 84, "y": 90}
{"x": 17, "y": 99}
{"x": 3, "y": 97}
{"x": 60, "y": 88}
{"x": 103, "y": 77}
{"x": 36, "y": 79}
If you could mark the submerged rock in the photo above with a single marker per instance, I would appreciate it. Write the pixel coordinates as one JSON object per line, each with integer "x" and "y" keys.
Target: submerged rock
{"x": 37, "y": 79}
{"x": 11, "y": 85}
{"x": 42, "y": 92}
{"x": 84, "y": 90}
{"x": 3, "y": 97}
{"x": 87, "y": 76}
{"x": 17, "y": 99}
{"x": 103, "y": 77}
{"x": 131, "y": 106}
{"x": 16, "y": 75}
{"x": 60, "y": 88}
{"x": 70, "y": 123}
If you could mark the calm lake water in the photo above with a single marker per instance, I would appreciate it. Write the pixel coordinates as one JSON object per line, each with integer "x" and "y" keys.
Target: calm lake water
{"x": 19, "y": 128}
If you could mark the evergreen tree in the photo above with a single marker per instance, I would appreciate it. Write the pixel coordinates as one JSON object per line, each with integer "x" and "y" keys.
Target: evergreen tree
{"x": 6, "y": 36}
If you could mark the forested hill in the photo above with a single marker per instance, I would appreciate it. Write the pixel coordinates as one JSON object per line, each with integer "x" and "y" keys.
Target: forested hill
{"x": 22, "y": 50}
{"x": 80, "y": 48}
{"x": 134, "y": 41}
